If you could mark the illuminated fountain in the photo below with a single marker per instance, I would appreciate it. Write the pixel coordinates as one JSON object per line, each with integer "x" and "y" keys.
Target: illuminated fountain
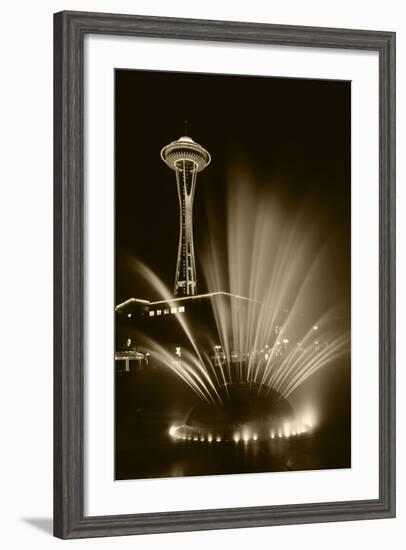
{"x": 272, "y": 327}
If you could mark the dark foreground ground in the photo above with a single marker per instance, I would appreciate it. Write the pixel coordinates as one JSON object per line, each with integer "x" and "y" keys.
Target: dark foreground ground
{"x": 150, "y": 401}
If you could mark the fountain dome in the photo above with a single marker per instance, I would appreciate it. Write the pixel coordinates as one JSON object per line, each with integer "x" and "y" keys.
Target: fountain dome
{"x": 245, "y": 407}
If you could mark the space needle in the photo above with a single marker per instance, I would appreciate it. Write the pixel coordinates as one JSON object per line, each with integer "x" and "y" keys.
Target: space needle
{"x": 187, "y": 158}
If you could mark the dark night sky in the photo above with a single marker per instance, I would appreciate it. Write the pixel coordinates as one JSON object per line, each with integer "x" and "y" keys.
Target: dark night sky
{"x": 292, "y": 133}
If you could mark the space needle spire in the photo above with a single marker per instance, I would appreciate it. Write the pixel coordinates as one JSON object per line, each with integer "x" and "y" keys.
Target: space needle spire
{"x": 186, "y": 158}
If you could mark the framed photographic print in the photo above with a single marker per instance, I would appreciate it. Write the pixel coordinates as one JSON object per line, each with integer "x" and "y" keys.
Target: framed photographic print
{"x": 224, "y": 274}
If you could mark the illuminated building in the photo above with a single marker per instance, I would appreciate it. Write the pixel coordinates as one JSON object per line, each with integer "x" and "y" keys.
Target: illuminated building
{"x": 159, "y": 320}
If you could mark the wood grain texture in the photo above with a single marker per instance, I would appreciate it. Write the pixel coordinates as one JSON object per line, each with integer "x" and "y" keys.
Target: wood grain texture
{"x": 69, "y": 30}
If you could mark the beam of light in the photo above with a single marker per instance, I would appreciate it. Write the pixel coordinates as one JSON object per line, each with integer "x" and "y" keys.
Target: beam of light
{"x": 315, "y": 367}
{"x": 294, "y": 358}
{"x": 213, "y": 370}
{"x": 222, "y": 321}
{"x": 310, "y": 274}
{"x": 200, "y": 366}
{"x": 276, "y": 260}
{"x": 272, "y": 262}
{"x": 185, "y": 371}
{"x": 293, "y": 257}
{"x": 152, "y": 279}
{"x": 216, "y": 277}
{"x": 337, "y": 348}
{"x": 298, "y": 353}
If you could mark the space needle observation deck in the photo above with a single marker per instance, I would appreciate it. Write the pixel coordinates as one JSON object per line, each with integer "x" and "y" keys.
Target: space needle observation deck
{"x": 187, "y": 158}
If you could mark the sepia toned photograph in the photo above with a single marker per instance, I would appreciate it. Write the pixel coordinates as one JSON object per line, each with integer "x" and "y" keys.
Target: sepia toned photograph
{"x": 232, "y": 274}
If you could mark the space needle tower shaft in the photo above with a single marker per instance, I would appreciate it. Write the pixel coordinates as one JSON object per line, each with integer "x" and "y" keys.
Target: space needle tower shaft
{"x": 187, "y": 158}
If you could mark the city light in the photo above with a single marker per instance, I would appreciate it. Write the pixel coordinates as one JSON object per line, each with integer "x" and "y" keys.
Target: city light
{"x": 309, "y": 416}
{"x": 172, "y": 431}
{"x": 286, "y": 430}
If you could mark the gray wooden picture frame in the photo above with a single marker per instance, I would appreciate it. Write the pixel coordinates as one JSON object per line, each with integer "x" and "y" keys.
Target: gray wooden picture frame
{"x": 70, "y": 29}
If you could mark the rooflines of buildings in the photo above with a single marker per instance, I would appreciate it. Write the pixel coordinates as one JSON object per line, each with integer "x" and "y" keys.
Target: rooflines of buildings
{"x": 183, "y": 298}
